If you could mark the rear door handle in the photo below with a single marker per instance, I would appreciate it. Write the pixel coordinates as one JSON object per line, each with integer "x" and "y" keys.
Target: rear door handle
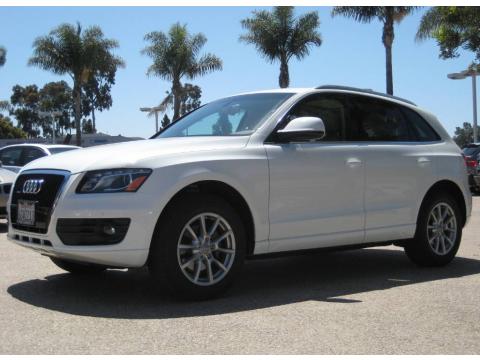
{"x": 423, "y": 161}
{"x": 354, "y": 162}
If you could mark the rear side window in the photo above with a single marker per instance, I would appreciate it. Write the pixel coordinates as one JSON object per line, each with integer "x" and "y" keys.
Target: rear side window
{"x": 375, "y": 120}
{"x": 11, "y": 156}
{"x": 30, "y": 154}
{"x": 57, "y": 150}
{"x": 420, "y": 129}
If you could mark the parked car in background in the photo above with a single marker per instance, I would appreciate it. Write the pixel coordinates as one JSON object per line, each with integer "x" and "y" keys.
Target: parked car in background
{"x": 7, "y": 178}
{"x": 472, "y": 160}
{"x": 253, "y": 174}
{"x": 14, "y": 157}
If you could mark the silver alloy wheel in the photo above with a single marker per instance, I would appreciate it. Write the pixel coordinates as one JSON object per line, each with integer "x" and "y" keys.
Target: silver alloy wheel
{"x": 206, "y": 249}
{"x": 442, "y": 228}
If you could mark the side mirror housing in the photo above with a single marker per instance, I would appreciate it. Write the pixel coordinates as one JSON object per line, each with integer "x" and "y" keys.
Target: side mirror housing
{"x": 302, "y": 129}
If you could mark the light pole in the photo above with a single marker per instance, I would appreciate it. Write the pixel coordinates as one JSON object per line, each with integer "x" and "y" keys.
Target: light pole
{"x": 155, "y": 110}
{"x": 51, "y": 114}
{"x": 471, "y": 71}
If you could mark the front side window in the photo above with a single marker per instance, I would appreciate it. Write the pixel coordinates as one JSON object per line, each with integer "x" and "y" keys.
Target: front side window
{"x": 11, "y": 156}
{"x": 236, "y": 115}
{"x": 328, "y": 107}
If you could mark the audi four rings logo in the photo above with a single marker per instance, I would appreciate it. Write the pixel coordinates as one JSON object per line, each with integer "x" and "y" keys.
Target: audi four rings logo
{"x": 32, "y": 186}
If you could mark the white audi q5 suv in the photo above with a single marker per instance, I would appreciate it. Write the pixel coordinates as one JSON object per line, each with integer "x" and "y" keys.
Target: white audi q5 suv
{"x": 259, "y": 173}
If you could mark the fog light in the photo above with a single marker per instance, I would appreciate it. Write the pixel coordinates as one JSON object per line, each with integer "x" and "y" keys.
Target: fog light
{"x": 106, "y": 231}
{"x": 109, "y": 229}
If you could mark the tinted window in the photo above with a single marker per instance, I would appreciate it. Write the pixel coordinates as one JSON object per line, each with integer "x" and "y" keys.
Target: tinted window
{"x": 375, "y": 120}
{"x": 11, "y": 156}
{"x": 236, "y": 115}
{"x": 420, "y": 129}
{"x": 57, "y": 150}
{"x": 471, "y": 151}
{"x": 30, "y": 154}
{"x": 329, "y": 108}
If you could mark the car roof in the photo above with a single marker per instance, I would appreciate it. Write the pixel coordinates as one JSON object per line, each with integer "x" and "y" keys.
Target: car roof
{"x": 337, "y": 88}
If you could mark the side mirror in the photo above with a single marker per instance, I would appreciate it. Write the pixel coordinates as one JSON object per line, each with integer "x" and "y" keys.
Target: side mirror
{"x": 302, "y": 129}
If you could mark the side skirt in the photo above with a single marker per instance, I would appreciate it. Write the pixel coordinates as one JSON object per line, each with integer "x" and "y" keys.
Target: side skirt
{"x": 400, "y": 243}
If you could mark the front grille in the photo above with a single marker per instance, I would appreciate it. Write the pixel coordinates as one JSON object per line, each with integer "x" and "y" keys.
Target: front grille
{"x": 44, "y": 200}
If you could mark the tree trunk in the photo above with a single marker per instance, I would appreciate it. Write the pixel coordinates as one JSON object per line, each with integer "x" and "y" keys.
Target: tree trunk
{"x": 176, "y": 88}
{"x": 284, "y": 78}
{"x": 94, "y": 127}
{"x": 77, "y": 98}
{"x": 387, "y": 38}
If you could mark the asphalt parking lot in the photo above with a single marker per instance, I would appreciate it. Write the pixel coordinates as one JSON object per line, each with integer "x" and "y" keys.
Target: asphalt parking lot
{"x": 357, "y": 302}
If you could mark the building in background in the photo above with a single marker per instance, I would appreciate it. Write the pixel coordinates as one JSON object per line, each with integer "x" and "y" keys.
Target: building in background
{"x": 87, "y": 140}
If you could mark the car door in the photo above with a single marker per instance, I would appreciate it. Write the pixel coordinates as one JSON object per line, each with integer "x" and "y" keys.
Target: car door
{"x": 11, "y": 158}
{"x": 398, "y": 165}
{"x": 316, "y": 188}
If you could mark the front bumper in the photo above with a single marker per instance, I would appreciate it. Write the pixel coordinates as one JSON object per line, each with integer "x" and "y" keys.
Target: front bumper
{"x": 132, "y": 251}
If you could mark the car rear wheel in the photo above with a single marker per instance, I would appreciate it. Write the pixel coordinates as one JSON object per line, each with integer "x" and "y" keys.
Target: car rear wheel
{"x": 438, "y": 234}
{"x": 199, "y": 247}
{"x": 77, "y": 268}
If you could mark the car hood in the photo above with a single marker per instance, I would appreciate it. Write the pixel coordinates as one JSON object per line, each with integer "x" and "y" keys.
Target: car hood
{"x": 133, "y": 153}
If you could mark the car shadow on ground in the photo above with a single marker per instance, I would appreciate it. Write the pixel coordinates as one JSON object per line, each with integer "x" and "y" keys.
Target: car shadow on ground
{"x": 334, "y": 277}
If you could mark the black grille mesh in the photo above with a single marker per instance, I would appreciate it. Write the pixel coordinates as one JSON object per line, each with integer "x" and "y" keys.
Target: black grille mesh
{"x": 44, "y": 200}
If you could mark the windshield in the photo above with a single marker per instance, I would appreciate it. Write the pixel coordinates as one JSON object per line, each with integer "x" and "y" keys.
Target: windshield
{"x": 236, "y": 115}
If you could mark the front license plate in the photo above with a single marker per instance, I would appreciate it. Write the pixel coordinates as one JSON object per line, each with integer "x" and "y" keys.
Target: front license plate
{"x": 26, "y": 212}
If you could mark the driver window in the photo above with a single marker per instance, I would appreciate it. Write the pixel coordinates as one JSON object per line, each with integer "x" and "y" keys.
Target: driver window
{"x": 329, "y": 108}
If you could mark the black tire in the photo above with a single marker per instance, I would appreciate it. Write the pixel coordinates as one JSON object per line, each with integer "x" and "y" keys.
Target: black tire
{"x": 76, "y": 268}
{"x": 163, "y": 262}
{"x": 419, "y": 249}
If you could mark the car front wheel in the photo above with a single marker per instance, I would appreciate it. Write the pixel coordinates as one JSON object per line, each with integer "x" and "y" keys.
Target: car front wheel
{"x": 199, "y": 247}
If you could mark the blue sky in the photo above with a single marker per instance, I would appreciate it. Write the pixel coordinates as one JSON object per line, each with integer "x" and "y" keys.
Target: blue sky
{"x": 351, "y": 54}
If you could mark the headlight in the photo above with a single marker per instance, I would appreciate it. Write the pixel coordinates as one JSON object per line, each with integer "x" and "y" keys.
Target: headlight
{"x": 113, "y": 180}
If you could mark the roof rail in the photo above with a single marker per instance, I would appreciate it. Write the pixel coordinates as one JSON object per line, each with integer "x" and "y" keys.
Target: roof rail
{"x": 366, "y": 91}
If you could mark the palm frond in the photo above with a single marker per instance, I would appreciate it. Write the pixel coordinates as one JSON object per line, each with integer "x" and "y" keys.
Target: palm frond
{"x": 364, "y": 14}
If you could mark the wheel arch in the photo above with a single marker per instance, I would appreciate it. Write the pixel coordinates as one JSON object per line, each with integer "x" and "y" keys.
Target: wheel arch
{"x": 226, "y": 192}
{"x": 451, "y": 188}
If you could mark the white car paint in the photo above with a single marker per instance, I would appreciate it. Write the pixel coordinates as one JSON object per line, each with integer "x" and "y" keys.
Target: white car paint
{"x": 7, "y": 178}
{"x": 301, "y": 196}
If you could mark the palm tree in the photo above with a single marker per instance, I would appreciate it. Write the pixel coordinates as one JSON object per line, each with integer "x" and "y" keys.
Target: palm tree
{"x": 388, "y": 15}
{"x": 279, "y": 36}
{"x": 453, "y": 28}
{"x": 69, "y": 50}
{"x": 3, "y": 55}
{"x": 175, "y": 56}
